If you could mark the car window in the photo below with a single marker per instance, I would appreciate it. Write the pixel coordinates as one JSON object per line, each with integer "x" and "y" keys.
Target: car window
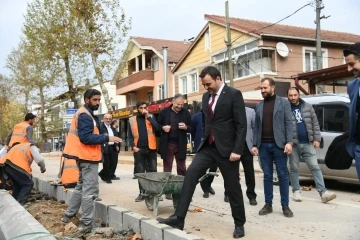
{"x": 333, "y": 118}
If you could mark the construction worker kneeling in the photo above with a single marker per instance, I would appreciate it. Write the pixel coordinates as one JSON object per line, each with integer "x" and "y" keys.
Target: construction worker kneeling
{"x": 16, "y": 167}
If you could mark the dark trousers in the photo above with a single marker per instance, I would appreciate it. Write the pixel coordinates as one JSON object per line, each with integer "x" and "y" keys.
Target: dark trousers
{"x": 248, "y": 164}
{"x": 22, "y": 184}
{"x": 109, "y": 164}
{"x": 207, "y": 157}
{"x": 146, "y": 160}
{"x": 173, "y": 151}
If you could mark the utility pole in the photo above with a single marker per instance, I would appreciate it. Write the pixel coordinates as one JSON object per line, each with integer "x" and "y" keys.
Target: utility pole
{"x": 318, "y": 35}
{"x": 228, "y": 45}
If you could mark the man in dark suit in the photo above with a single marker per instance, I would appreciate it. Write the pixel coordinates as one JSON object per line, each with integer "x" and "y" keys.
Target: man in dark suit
{"x": 224, "y": 133}
{"x": 352, "y": 59}
{"x": 110, "y": 152}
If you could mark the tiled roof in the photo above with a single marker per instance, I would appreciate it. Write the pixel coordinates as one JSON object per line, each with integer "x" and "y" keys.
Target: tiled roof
{"x": 246, "y": 25}
{"x": 175, "y": 48}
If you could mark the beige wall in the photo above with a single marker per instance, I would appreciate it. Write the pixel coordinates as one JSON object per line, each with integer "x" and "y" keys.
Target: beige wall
{"x": 133, "y": 52}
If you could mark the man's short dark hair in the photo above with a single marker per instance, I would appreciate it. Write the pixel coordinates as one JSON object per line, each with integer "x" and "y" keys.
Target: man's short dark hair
{"x": 90, "y": 93}
{"x": 270, "y": 80}
{"x": 138, "y": 104}
{"x": 29, "y": 116}
{"x": 178, "y": 95}
{"x": 353, "y": 49}
{"x": 212, "y": 71}
{"x": 294, "y": 88}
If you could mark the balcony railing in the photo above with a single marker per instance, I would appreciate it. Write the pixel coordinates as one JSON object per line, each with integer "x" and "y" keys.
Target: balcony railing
{"x": 135, "y": 78}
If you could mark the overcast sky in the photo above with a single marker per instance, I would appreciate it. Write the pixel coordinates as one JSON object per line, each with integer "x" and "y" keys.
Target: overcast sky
{"x": 183, "y": 19}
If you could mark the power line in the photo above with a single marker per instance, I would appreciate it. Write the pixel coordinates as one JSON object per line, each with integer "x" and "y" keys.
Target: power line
{"x": 309, "y": 4}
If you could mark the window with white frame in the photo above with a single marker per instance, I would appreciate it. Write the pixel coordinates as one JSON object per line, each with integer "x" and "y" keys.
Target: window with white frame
{"x": 150, "y": 96}
{"x": 160, "y": 91}
{"x": 155, "y": 63}
{"x": 131, "y": 99}
{"x": 309, "y": 59}
{"x": 189, "y": 83}
{"x": 207, "y": 41}
{"x": 248, "y": 60}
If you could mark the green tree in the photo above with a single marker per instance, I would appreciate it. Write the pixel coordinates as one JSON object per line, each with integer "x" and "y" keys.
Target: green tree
{"x": 105, "y": 28}
{"x": 50, "y": 27}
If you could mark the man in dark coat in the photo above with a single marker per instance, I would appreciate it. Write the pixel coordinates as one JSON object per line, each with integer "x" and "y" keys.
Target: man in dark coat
{"x": 110, "y": 151}
{"x": 175, "y": 123}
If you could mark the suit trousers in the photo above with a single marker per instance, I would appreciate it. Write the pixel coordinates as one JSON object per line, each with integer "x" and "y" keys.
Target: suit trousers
{"x": 207, "y": 157}
{"x": 247, "y": 161}
{"x": 109, "y": 164}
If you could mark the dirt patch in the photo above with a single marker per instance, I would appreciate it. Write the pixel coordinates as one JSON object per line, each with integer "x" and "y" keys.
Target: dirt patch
{"x": 48, "y": 212}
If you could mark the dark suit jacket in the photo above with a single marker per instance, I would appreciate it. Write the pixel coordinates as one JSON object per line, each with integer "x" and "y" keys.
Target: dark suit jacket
{"x": 228, "y": 124}
{"x": 163, "y": 120}
{"x": 105, "y": 146}
{"x": 353, "y": 91}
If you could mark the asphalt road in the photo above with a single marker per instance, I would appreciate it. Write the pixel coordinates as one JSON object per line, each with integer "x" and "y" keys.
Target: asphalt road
{"x": 338, "y": 219}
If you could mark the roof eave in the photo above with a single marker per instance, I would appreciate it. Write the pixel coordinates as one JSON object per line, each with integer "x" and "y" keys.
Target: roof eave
{"x": 304, "y": 39}
{"x": 147, "y": 48}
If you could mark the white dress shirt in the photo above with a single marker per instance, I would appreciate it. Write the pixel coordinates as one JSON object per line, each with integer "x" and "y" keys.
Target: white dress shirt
{"x": 110, "y": 133}
{"x": 216, "y": 97}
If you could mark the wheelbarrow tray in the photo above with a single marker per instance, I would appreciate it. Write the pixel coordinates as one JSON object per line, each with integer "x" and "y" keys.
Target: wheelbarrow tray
{"x": 155, "y": 183}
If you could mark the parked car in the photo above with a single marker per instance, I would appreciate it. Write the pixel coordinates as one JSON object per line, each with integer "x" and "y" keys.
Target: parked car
{"x": 332, "y": 111}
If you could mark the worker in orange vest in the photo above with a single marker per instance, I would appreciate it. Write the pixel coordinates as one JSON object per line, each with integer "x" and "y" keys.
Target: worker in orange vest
{"x": 83, "y": 144}
{"x": 16, "y": 166}
{"x": 142, "y": 139}
{"x": 22, "y": 132}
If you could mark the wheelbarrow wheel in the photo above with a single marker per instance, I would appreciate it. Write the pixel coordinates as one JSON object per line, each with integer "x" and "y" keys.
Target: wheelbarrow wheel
{"x": 149, "y": 201}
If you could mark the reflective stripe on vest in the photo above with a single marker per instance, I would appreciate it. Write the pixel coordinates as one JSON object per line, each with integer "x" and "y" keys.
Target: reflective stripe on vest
{"x": 150, "y": 132}
{"x": 19, "y": 133}
{"x": 74, "y": 149}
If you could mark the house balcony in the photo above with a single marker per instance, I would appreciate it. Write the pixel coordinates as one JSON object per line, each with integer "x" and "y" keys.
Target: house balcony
{"x": 135, "y": 82}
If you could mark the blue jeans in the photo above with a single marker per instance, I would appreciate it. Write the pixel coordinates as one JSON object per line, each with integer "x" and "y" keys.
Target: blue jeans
{"x": 270, "y": 153}
{"x": 357, "y": 159}
{"x": 308, "y": 153}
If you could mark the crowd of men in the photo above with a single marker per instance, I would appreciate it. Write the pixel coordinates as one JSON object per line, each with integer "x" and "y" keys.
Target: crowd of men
{"x": 225, "y": 133}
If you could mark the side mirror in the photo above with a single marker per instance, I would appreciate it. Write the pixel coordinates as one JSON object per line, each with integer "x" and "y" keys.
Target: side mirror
{"x": 322, "y": 143}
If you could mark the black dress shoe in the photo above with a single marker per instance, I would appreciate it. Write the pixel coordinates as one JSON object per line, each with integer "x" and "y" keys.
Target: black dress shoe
{"x": 253, "y": 202}
{"x": 239, "y": 232}
{"x": 115, "y": 178}
{"x": 206, "y": 195}
{"x": 211, "y": 190}
{"x": 101, "y": 176}
{"x": 108, "y": 181}
{"x": 266, "y": 210}
{"x": 287, "y": 212}
{"x": 172, "y": 221}
{"x": 226, "y": 198}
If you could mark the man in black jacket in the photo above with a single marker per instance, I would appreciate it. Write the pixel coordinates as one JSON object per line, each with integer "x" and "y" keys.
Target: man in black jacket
{"x": 175, "y": 123}
{"x": 110, "y": 152}
{"x": 223, "y": 141}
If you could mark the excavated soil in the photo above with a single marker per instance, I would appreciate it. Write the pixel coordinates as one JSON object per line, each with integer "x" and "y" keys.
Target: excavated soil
{"x": 49, "y": 212}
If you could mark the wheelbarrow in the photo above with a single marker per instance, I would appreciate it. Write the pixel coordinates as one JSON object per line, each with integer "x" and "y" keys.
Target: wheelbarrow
{"x": 156, "y": 184}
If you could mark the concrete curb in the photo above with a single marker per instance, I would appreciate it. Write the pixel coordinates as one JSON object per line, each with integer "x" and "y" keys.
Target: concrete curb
{"x": 15, "y": 221}
{"x": 117, "y": 217}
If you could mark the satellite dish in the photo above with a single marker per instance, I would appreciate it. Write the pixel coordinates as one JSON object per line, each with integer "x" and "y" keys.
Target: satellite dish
{"x": 282, "y": 49}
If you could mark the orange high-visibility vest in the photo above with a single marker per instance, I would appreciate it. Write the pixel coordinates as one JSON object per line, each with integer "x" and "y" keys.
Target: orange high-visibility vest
{"x": 19, "y": 133}
{"x": 150, "y": 132}
{"x": 20, "y": 156}
{"x": 69, "y": 172}
{"x": 74, "y": 149}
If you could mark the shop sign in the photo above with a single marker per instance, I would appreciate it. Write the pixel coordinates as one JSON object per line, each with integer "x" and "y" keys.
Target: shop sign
{"x": 122, "y": 113}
